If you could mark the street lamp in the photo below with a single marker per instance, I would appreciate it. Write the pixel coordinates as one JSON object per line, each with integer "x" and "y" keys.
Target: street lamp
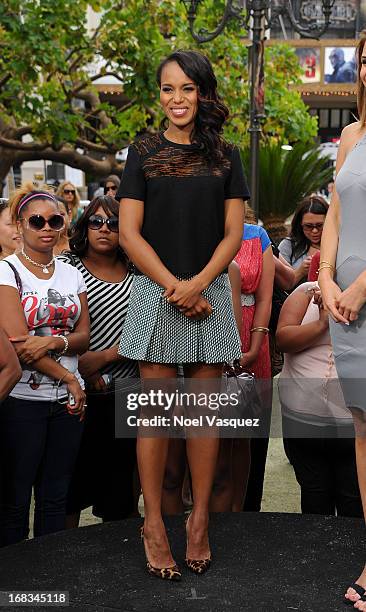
{"x": 255, "y": 18}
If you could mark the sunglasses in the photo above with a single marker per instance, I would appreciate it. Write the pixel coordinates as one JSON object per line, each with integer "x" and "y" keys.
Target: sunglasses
{"x": 67, "y": 191}
{"x": 38, "y": 222}
{"x": 111, "y": 187}
{"x": 96, "y": 222}
{"x": 312, "y": 226}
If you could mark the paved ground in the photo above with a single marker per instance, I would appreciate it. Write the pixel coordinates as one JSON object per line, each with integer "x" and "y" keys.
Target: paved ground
{"x": 262, "y": 562}
{"x": 281, "y": 491}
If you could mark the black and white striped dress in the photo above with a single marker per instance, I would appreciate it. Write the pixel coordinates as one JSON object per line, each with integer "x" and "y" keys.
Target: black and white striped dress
{"x": 108, "y": 303}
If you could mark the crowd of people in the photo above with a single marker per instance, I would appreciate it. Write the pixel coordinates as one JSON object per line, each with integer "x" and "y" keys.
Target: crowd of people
{"x": 168, "y": 274}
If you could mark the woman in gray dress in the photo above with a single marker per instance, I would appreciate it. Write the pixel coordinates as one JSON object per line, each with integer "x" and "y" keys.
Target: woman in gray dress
{"x": 343, "y": 253}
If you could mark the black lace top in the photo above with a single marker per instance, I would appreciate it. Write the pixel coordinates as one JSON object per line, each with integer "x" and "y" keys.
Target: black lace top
{"x": 183, "y": 198}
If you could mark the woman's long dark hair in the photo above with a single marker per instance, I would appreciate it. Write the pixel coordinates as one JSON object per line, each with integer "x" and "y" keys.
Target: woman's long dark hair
{"x": 312, "y": 204}
{"x": 79, "y": 233}
{"x": 361, "y": 89}
{"x": 212, "y": 112}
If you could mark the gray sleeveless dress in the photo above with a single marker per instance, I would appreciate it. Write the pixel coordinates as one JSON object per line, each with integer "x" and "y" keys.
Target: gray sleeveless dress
{"x": 349, "y": 342}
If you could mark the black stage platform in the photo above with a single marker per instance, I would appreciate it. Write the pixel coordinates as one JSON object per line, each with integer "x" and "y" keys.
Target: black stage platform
{"x": 274, "y": 562}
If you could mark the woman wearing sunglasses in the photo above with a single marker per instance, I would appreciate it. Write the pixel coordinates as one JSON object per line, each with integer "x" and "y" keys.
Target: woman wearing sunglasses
{"x": 70, "y": 194}
{"x": 305, "y": 236}
{"x": 103, "y": 476}
{"x": 44, "y": 313}
{"x": 111, "y": 185}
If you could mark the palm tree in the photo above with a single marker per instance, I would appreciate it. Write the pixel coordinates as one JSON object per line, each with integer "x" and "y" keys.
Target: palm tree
{"x": 286, "y": 177}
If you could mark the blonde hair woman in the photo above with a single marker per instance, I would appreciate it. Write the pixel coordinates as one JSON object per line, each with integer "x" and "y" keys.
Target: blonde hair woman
{"x": 70, "y": 194}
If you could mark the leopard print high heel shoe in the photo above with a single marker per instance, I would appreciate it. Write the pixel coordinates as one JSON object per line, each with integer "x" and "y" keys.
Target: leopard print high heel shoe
{"x": 197, "y": 566}
{"x": 165, "y": 573}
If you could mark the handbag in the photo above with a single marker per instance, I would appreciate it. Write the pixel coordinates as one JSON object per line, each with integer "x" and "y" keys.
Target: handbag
{"x": 240, "y": 383}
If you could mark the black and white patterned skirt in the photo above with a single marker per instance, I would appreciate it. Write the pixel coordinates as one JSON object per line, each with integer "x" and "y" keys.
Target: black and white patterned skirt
{"x": 158, "y": 332}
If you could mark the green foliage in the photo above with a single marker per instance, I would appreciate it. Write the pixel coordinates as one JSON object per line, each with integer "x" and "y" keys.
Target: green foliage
{"x": 287, "y": 176}
{"x": 47, "y": 90}
{"x": 287, "y": 118}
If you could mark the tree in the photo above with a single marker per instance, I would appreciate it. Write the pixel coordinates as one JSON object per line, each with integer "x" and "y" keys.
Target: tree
{"x": 51, "y": 109}
{"x": 286, "y": 177}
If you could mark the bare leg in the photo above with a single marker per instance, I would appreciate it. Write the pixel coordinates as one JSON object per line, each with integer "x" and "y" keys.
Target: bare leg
{"x": 202, "y": 456}
{"x": 222, "y": 491}
{"x": 240, "y": 469}
{"x": 151, "y": 458}
{"x": 359, "y": 419}
{"x": 172, "y": 502}
{"x": 186, "y": 489}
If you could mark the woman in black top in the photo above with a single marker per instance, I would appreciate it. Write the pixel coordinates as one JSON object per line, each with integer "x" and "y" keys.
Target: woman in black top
{"x": 182, "y": 217}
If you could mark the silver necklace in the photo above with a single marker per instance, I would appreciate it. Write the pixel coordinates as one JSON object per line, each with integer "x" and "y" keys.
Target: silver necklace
{"x": 44, "y": 267}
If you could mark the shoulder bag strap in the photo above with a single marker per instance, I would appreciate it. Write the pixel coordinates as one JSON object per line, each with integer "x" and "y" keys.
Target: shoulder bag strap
{"x": 17, "y": 276}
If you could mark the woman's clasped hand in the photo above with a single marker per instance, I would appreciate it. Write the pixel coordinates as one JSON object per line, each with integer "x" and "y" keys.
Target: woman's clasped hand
{"x": 36, "y": 347}
{"x": 91, "y": 365}
{"x": 187, "y": 297}
{"x": 78, "y": 405}
{"x": 248, "y": 358}
{"x": 344, "y": 306}
{"x": 351, "y": 300}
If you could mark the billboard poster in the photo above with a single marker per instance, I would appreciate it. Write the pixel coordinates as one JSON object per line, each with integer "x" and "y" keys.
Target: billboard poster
{"x": 309, "y": 60}
{"x": 340, "y": 65}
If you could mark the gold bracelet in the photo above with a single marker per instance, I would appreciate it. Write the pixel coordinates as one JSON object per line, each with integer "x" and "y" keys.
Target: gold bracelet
{"x": 325, "y": 266}
{"x": 263, "y": 330}
{"x": 328, "y": 264}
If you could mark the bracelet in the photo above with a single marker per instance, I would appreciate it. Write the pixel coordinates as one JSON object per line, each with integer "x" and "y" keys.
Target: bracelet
{"x": 66, "y": 347}
{"x": 263, "y": 330}
{"x": 326, "y": 264}
{"x": 61, "y": 380}
{"x": 59, "y": 383}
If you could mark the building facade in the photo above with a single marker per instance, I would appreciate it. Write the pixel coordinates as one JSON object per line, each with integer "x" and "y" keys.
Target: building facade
{"x": 328, "y": 65}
